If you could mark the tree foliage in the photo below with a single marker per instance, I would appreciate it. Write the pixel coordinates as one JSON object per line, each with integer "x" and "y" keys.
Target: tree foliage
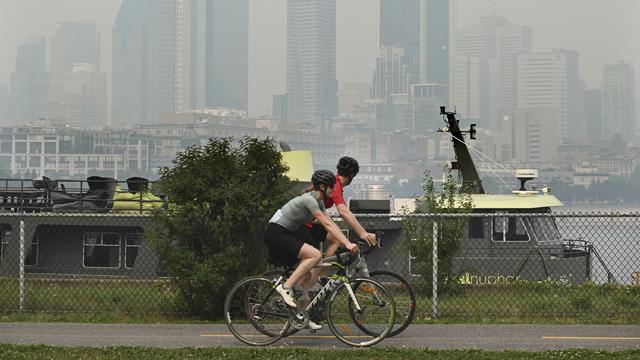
{"x": 419, "y": 231}
{"x": 221, "y": 196}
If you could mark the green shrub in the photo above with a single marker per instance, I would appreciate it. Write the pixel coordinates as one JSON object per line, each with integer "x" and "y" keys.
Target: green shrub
{"x": 419, "y": 233}
{"x": 220, "y": 198}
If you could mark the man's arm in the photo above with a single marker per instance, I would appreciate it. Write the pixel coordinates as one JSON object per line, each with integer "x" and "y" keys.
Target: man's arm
{"x": 353, "y": 223}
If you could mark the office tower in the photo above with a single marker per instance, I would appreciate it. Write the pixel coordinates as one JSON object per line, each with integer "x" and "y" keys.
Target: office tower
{"x": 494, "y": 45}
{"x": 434, "y": 42}
{"x": 83, "y": 98}
{"x": 280, "y": 107}
{"x": 593, "y": 114}
{"x": 212, "y": 42}
{"x": 352, "y": 95}
{"x": 143, "y": 81}
{"x": 29, "y": 81}
{"x": 400, "y": 28}
{"x": 550, "y": 79}
{"x": 392, "y": 74}
{"x": 311, "y": 61}
{"x": 618, "y": 101}
{"x": 73, "y": 42}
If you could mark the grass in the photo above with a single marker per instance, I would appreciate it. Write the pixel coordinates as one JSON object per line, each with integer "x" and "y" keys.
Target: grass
{"x": 54, "y": 352}
{"x": 93, "y": 300}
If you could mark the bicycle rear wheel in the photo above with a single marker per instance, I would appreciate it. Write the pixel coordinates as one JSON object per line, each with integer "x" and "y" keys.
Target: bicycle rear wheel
{"x": 255, "y": 313}
{"x": 377, "y": 311}
{"x": 404, "y": 297}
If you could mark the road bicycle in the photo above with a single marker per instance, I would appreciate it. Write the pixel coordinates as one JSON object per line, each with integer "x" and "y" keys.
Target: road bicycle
{"x": 401, "y": 290}
{"x": 359, "y": 311}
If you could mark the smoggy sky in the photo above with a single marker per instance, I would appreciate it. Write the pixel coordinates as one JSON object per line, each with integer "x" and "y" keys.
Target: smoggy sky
{"x": 601, "y": 30}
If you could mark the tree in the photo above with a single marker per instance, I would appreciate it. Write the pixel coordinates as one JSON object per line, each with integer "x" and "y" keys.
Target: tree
{"x": 220, "y": 199}
{"x": 419, "y": 231}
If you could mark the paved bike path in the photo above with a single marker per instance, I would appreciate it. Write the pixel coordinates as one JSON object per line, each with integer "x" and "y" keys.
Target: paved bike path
{"x": 484, "y": 337}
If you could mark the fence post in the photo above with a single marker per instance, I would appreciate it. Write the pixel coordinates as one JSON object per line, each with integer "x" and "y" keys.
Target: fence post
{"x": 434, "y": 296}
{"x": 21, "y": 265}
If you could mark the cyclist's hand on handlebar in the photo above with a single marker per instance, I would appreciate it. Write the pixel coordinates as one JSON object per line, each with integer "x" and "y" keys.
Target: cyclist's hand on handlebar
{"x": 353, "y": 248}
{"x": 370, "y": 238}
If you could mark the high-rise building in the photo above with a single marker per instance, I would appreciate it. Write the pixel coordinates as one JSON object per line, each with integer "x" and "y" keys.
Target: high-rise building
{"x": 83, "y": 101}
{"x": 400, "y": 28}
{"x": 29, "y": 81}
{"x": 512, "y": 41}
{"x": 73, "y": 42}
{"x": 392, "y": 74}
{"x": 550, "y": 79}
{"x": 280, "y": 107}
{"x": 351, "y": 95}
{"x": 434, "y": 42}
{"x": 212, "y": 45}
{"x": 618, "y": 101}
{"x": 495, "y": 43}
{"x": 144, "y": 48}
{"x": 311, "y": 61}
{"x": 593, "y": 114}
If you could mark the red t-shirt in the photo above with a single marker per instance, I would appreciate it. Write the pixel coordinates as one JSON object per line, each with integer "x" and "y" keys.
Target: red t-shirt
{"x": 335, "y": 199}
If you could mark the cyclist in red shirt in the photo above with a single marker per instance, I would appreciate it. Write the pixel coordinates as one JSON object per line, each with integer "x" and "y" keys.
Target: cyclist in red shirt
{"x": 348, "y": 168}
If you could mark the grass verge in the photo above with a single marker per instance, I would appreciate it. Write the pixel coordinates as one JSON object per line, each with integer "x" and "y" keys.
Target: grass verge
{"x": 139, "y": 353}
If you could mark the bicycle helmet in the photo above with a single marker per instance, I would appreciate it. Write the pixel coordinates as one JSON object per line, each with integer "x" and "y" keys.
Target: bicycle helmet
{"x": 348, "y": 166}
{"x": 323, "y": 177}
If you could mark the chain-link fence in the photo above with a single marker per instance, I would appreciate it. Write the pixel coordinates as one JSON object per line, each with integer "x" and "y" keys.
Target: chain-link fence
{"x": 511, "y": 265}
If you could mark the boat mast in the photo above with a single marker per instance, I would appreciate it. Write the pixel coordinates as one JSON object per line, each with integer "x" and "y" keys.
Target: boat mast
{"x": 471, "y": 183}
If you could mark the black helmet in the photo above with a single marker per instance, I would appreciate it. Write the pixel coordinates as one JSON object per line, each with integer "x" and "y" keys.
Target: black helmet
{"x": 321, "y": 177}
{"x": 348, "y": 166}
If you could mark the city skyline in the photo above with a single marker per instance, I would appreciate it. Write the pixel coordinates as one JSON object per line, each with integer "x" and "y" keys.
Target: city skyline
{"x": 355, "y": 59}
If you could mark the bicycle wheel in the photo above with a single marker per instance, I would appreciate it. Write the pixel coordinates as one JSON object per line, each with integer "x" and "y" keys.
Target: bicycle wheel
{"x": 255, "y": 313}
{"x": 377, "y": 310}
{"x": 404, "y": 297}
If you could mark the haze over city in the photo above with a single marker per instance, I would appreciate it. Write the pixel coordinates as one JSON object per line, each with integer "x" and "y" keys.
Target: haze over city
{"x": 549, "y": 84}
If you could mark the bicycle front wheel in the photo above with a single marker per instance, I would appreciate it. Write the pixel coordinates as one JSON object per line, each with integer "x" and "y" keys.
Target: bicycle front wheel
{"x": 404, "y": 297}
{"x": 255, "y": 313}
{"x": 369, "y": 303}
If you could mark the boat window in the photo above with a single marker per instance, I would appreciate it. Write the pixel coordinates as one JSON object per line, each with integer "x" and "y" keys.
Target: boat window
{"x": 4, "y": 242}
{"x": 101, "y": 250}
{"x": 132, "y": 243}
{"x": 509, "y": 228}
{"x": 32, "y": 256}
{"x": 476, "y": 228}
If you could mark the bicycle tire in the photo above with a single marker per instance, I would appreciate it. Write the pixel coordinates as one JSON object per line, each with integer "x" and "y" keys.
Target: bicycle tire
{"x": 370, "y": 296}
{"x": 253, "y": 304}
{"x": 405, "y": 300}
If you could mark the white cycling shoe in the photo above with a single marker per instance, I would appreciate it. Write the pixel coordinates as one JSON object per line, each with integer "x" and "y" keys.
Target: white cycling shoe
{"x": 313, "y": 326}
{"x": 287, "y": 296}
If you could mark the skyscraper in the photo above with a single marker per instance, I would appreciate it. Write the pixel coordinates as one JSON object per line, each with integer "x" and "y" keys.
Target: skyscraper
{"x": 434, "y": 42}
{"x": 400, "y": 28}
{"x": 550, "y": 79}
{"x": 311, "y": 61}
{"x": 618, "y": 101}
{"x": 143, "y": 76}
{"x": 29, "y": 82}
{"x": 493, "y": 43}
{"x": 74, "y": 42}
{"x": 212, "y": 42}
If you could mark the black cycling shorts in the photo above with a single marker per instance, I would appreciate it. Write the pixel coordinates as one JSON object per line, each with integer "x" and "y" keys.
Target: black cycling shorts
{"x": 284, "y": 244}
{"x": 312, "y": 236}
